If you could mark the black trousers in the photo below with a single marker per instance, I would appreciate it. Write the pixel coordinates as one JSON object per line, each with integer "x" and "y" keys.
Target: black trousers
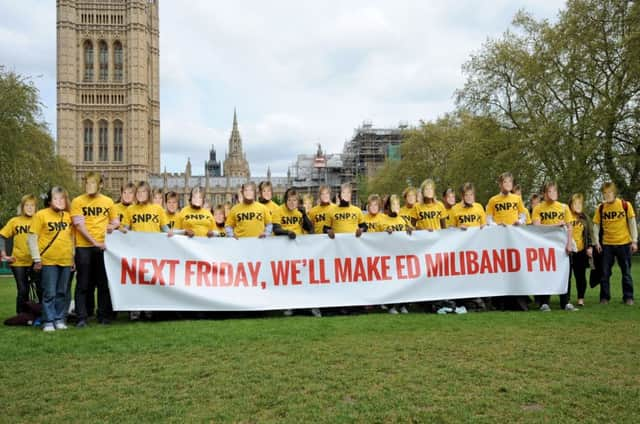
{"x": 24, "y": 276}
{"x": 90, "y": 272}
{"x": 579, "y": 265}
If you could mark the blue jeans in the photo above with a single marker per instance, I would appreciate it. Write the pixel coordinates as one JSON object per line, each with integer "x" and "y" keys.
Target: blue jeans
{"x": 55, "y": 280}
{"x": 622, "y": 254}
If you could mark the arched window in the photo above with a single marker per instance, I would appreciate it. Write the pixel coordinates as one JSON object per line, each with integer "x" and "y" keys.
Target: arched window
{"x": 117, "y": 141}
{"x": 117, "y": 61}
{"x": 104, "y": 60}
{"x": 88, "y": 61}
{"x": 88, "y": 141}
{"x": 103, "y": 141}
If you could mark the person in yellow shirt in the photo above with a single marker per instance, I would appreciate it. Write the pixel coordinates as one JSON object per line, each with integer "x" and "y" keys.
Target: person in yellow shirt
{"x": 374, "y": 219}
{"x": 449, "y": 201}
{"x": 431, "y": 214}
{"x": 171, "y": 210}
{"x": 195, "y": 219}
{"x": 144, "y": 215}
{"x": 394, "y": 222}
{"x": 219, "y": 218}
{"x": 468, "y": 213}
{"x": 291, "y": 219}
{"x": 506, "y": 208}
{"x": 320, "y": 213}
{"x": 158, "y": 197}
{"x": 249, "y": 218}
{"x": 615, "y": 219}
{"x": 408, "y": 210}
{"x": 127, "y": 196}
{"x": 550, "y": 212}
{"x": 582, "y": 237}
{"x": 93, "y": 215}
{"x": 266, "y": 196}
{"x": 344, "y": 217}
{"x": 20, "y": 260}
{"x": 51, "y": 246}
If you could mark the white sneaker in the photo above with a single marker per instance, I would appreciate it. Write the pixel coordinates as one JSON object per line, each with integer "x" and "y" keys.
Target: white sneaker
{"x": 404, "y": 310}
{"x": 60, "y": 325}
{"x": 393, "y": 311}
{"x": 316, "y": 312}
{"x": 288, "y": 312}
{"x": 569, "y": 307}
{"x": 48, "y": 327}
{"x": 545, "y": 308}
{"x": 384, "y": 307}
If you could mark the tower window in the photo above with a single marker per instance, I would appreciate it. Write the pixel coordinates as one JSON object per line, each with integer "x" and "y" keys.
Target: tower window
{"x": 117, "y": 61}
{"x": 88, "y": 141}
{"x": 117, "y": 141}
{"x": 103, "y": 142}
{"x": 104, "y": 61}
{"x": 88, "y": 61}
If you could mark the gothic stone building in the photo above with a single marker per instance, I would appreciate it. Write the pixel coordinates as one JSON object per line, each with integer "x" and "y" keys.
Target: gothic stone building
{"x": 108, "y": 88}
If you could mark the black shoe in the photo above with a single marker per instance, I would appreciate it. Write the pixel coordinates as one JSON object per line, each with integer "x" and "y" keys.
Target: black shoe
{"x": 81, "y": 324}
{"x": 104, "y": 321}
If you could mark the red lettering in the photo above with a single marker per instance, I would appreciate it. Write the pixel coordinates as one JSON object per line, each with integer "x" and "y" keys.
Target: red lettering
{"x": 280, "y": 272}
{"x": 342, "y": 270}
{"x": 128, "y": 270}
{"x": 434, "y": 265}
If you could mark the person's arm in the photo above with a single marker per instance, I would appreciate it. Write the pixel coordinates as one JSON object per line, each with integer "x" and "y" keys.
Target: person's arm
{"x": 32, "y": 242}
{"x": 3, "y": 251}
{"x": 633, "y": 232}
{"x": 229, "y": 231}
{"x": 81, "y": 227}
{"x": 279, "y": 231}
{"x": 268, "y": 229}
{"x": 307, "y": 225}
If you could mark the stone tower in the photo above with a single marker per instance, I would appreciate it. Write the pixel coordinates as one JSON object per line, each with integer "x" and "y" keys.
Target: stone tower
{"x": 108, "y": 88}
{"x": 235, "y": 162}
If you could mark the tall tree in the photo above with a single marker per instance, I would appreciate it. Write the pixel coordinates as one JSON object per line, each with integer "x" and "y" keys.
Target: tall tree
{"x": 28, "y": 163}
{"x": 569, "y": 91}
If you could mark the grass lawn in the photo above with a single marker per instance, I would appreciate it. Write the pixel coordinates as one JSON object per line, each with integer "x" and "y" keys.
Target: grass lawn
{"x": 484, "y": 367}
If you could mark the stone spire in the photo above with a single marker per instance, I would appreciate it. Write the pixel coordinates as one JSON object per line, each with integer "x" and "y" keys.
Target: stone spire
{"x": 235, "y": 163}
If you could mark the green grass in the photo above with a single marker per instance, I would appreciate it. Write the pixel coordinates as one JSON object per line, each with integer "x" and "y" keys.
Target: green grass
{"x": 485, "y": 367}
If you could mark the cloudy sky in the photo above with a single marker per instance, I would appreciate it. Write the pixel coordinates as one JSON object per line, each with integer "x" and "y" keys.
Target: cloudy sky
{"x": 298, "y": 72}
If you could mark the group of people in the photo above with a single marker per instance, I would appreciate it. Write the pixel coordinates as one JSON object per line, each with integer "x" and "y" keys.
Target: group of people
{"x": 67, "y": 236}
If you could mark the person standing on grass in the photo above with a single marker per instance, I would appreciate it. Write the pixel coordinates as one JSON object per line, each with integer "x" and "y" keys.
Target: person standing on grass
{"x": 93, "y": 215}
{"x": 320, "y": 213}
{"x": 196, "y": 220}
{"x": 20, "y": 260}
{"x": 449, "y": 201}
{"x": 552, "y": 213}
{"x": 506, "y": 208}
{"x": 431, "y": 213}
{"x": 408, "y": 210}
{"x": 144, "y": 216}
{"x": 249, "y": 218}
{"x": 374, "y": 219}
{"x": 266, "y": 196}
{"x": 615, "y": 235}
{"x": 582, "y": 237}
{"x": 344, "y": 217}
{"x": 51, "y": 246}
{"x": 393, "y": 222}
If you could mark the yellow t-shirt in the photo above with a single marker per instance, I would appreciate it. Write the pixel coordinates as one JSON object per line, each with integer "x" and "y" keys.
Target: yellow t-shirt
{"x": 527, "y": 217}
{"x": 271, "y": 207}
{"x": 46, "y": 224}
{"x": 289, "y": 220}
{"x": 173, "y": 220}
{"x": 469, "y": 216}
{"x": 409, "y": 215}
{"x": 614, "y": 222}
{"x": 345, "y": 219}
{"x": 578, "y": 229}
{"x": 121, "y": 210}
{"x": 429, "y": 215}
{"x": 505, "y": 209}
{"x": 18, "y": 227}
{"x": 200, "y": 221}
{"x": 395, "y": 223}
{"x": 319, "y": 215}
{"x": 449, "y": 219}
{"x": 147, "y": 218}
{"x": 375, "y": 223}
{"x": 550, "y": 213}
{"x": 219, "y": 231}
{"x": 98, "y": 211}
{"x": 248, "y": 220}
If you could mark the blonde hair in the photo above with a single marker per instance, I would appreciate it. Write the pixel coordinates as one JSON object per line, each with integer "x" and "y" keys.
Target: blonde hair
{"x": 143, "y": 185}
{"x": 426, "y": 183}
{"x": 27, "y": 198}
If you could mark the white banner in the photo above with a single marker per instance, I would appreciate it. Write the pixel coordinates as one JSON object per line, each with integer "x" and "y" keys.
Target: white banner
{"x": 150, "y": 271}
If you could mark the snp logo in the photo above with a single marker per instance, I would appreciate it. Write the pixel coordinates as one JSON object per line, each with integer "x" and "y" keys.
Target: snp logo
{"x": 321, "y": 217}
{"x": 95, "y": 211}
{"x": 609, "y": 216}
{"x": 57, "y": 226}
{"x": 345, "y": 216}
{"x": 429, "y": 215}
{"x": 468, "y": 219}
{"x": 506, "y": 206}
{"x": 287, "y": 220}
{"x": 551, "y": 216}
{"x": 22, "y": 229}
{"x": 249, "y": 216}
{"x": 195, "y": 217}
{"x": 144, "y": 218}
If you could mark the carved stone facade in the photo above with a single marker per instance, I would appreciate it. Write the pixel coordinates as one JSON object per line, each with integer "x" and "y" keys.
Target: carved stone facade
{"x": 235, "y": 162}
{"x": 108, "y": 88}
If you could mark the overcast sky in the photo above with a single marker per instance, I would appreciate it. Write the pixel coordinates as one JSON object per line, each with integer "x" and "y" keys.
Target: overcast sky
{"x": 298, "y": 72}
